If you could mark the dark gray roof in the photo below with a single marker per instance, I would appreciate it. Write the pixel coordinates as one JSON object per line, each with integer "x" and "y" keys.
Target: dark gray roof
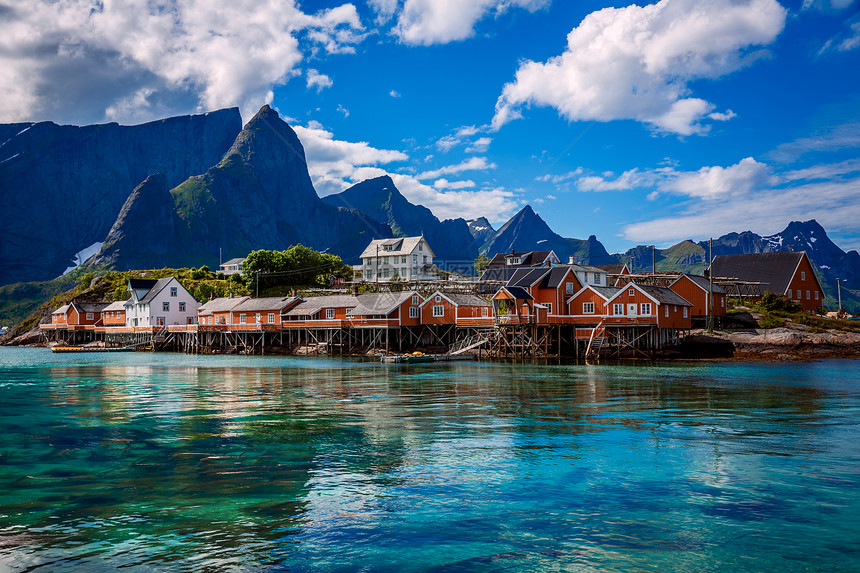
{"x": 554, "y": 277}
{"x": 235, "y": 261}
{"x": 503, "y": 274}
{"x": 118, "y": 305}
{"x": 462, "y": 299}
{"x": 266, "y": 303}
{"x": 89, "y": 306}
{"x": 381, "y": 303}
{"x": 528, "y": 259}
{"x": 606, "y": 292}
{"x": 138, "y": 284}
{"x": 775, "y": 270}
{"x": 702, "y": 282}
{"x": 222, "y": 304}
{"x": 312, "y": 305}
{"x": 611, "y": 269}
{"x": 526, "y": 277}
{"x": 155, "y": 289}
{"x": 664, "y": 295}
{"x": 518, "y": 292}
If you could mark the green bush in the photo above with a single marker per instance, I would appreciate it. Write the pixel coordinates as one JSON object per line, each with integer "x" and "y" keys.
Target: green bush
{"x": 778, "y": 303}
{"x": 768, "y": 321}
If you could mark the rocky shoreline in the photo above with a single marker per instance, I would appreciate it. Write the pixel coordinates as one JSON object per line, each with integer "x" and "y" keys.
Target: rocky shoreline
{"x": 775, "y": 344}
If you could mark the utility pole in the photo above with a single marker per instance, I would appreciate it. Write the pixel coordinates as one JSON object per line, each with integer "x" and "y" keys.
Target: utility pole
{"x": 839, "y": 292}
{"x": 710, "y": 285}
{"x": 653, "y": 259}
{"x": 258, "y": 284}
{"x": 377, "y": 266}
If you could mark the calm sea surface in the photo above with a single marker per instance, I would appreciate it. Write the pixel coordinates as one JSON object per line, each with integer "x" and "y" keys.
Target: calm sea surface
{"x": 171, "y": 462}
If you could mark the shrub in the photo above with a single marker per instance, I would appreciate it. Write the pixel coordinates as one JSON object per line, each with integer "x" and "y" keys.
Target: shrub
{"x": 778, "y": 303}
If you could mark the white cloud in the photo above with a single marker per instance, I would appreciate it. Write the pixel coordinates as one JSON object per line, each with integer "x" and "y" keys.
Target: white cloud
{"x": 480, "y": 145}
{"x": 80, "y": 61}
{"x": 462, "y": 137}
{"x": 394, "y": 94}
{"x": 636, "y": 63}
{"x": 748, "y": 195}
{"x": 445, "y": 184}
{"x": 846, "y": 136}
{"x": 428, "y": 22}
{"x": 471, "y": 164}
{"x": 333, "y": 163}
{"x": 318, "y": 80}
{"x": 626, "y": 181}
{"x": 496, "y": 204}
{"x": 343, "y": 110}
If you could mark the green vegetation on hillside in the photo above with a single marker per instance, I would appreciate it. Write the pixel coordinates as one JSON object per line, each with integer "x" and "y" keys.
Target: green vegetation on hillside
{"x": 297, "y": 267}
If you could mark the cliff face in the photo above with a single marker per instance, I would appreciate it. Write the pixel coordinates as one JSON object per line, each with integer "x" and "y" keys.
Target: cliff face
{"x": 61, "y": 187}
{"x": 379, "y": 198}
{"x": 258, "y": 196}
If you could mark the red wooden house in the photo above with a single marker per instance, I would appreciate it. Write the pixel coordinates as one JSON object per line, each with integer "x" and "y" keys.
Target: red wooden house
{"x": 321, "y": 312}
{"x": 697, "y": 291}
{"x": 113, "y": 315}
{"x": 215, "y": 314}
{"x": 640, "y": 305}
{"x": 588, "y": 306}
{"x": 261, "y": 313}
{"x": 460, "y": 309}
{"x": 789, "y": 274}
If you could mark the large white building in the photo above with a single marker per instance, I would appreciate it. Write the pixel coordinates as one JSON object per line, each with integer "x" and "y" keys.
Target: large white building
{"x": 407, "y": 258}
{"x": 161, "y": 302}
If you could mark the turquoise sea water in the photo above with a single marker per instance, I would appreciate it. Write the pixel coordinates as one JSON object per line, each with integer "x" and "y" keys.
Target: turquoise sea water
{"x": 171, "y": 462}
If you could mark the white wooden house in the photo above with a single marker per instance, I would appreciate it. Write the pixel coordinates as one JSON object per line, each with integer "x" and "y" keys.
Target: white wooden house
{"x": 407, "y": 258}
{"x": 161, "y": 302}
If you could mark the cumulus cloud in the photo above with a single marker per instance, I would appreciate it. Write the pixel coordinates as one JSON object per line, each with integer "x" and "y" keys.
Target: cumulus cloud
{"x": 318, "y": 80}
{"x": 80, "y": 61}
{"x": 445, "y": 184}
{"x": 333, "y": 163}
{"x": 748, "y": 195}
{"x": 471, "y": 164}
{"x": 637, "y": 63}
{"x": 463, "y": 136}
{"x": 480, "y": 145}
{"x": 428, "y": 22}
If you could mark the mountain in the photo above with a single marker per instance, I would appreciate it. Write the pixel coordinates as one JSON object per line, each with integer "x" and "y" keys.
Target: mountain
{"x": 258, "y": 196}
{"x": 379, "y": 198}
{"x": 61, "y": 187}
{"x": 526, "y": 231}
{"x": 481, "y": 230}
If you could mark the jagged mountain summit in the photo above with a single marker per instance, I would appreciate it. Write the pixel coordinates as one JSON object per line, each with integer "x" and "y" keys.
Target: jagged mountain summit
{"x": 527, "y": 231}
{"x": 380, "y": 199}
{"x": 481, "y": 230}
{"x": 258, "y": 196}
{"x": 62, "y": 186}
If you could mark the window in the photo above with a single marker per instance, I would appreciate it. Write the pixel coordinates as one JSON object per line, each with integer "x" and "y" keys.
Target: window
{"x": 789, "y": 293}
{"x": 425, "y": 259}
{"x": 257, "y": 318}
{"x": 439, "y": 310}
{"x": 329, "y": 313}
{"x": 385, "y": 260}
{"x": 803, "y": 275}
{"x": 413, "y": 312}
{"x": 350, "y": 312}
{"x": 89, "y": 316}
{"x": 165, "y": 306}
{"x": 666, "y": 311}
{"x": 631, "y": 292}
{"x": 685, "y": 312}
{"x": 585, "y": 277}
{"x": 243, "y": 319}
{"x": 271, "y": 318}
{"x": 808, "y": 295}
{"x": 548, "y": 306}
{"x": 723, "y": 302}
{"x": 420, "y": 247}
{"x": 645, "y": 309}
{"x": 385, "y": 272}
{"x": 485, "y": 311}
{"x": 438, "y": 298}
{"x": 816, "y": 295}
{"x": 416, "y": 300}
{"x": 181, "y": 307}
{"x": 588, "y": 308}
{"x": 403, "y": 260}
{"x": 159, "y": 321}
{"x": 190, "y": 320}
{"x": 597, "y": 278}
{"x": 618, "y": 308}
{"x": 568, "y": 288}
{"x": 173, "y": 291}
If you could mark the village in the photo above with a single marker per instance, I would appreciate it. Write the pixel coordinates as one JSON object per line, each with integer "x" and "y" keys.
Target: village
{"x": 523, "y": 305}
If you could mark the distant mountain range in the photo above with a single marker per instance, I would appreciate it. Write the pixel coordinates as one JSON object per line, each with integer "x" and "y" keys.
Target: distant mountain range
{"x": 184, "y": 190}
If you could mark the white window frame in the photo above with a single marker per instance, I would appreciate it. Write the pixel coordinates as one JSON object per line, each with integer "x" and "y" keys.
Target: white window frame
{"x": 165, "y": 306}
{"x": 789, "y": 293}
{"x": 413, "y": 312}
{"x": 257, "y": 318}
{"x": 89, "y": 316}
{"x": 329, "y": 313}
{"x": 645, "y": 309}
{"x": 485, "y": 311}
{"x": 548, "y": 306}
{"x": 631, "y": 292}
{"x": 271, "y": 318}
{"x": 666, "y": 311}
{"x": 685, "y": 312}
{"x": 816, "y": 295}
{"x": 618, "y": 309}
{"x": 588, "y": 308}
{"x": 174, "y": 291}
{"x": 416, "y": 300}
{"x": 243, "y": 319}
{"x": 438, "y": 310}
{"x": 181, "y": 307}
{"x": 803, "y": 275}
{"x": 808, "y": 295}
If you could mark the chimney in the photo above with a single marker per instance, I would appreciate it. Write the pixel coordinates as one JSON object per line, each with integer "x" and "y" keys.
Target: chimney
{"x": 570, "y": 260}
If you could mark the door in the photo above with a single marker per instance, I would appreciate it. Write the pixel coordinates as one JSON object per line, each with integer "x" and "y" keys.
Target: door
{"x": 631, "y": 309}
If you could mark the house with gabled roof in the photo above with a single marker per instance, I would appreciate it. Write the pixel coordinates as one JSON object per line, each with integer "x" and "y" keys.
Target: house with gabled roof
{"x": 387, "y": 309}
{"x": 216, "y": 312}
{"x": 407, "y": 258}
{"x": 233, "y": 266}
{"x": 588, "y": 305}
{"x": 614, "y": 273}
{"x": 514, "y": 305}
{"x": 697, "y": 290}
{"x": 548, "y": 287}
{"x": 321, "y": 311}
{"x": 113, "y": 315}
{"x": 441, "y": 308}
{"x": 789, "y": 274}
{"x": 641, "y": 305}
{"x": 78, "y": 315}
{"x": 159, "y": 303}
{"x": 265, "y": 313}
{"x": 524, "y": 259}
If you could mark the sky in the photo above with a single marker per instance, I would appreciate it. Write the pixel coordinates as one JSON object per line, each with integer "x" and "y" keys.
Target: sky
{"x": 643, "y": 123}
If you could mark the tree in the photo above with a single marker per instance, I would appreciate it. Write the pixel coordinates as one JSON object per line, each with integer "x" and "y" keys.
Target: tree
{"x": 481, "y": 263}
{"x": 298, "y": 266}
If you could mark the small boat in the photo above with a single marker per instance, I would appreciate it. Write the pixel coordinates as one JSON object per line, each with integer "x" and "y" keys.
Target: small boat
{"x": 414, "y": 358}
{"x": 62, "y": 349}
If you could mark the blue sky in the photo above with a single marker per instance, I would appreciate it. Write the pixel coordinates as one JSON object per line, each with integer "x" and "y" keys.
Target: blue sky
{"x": 638, "y": 123}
